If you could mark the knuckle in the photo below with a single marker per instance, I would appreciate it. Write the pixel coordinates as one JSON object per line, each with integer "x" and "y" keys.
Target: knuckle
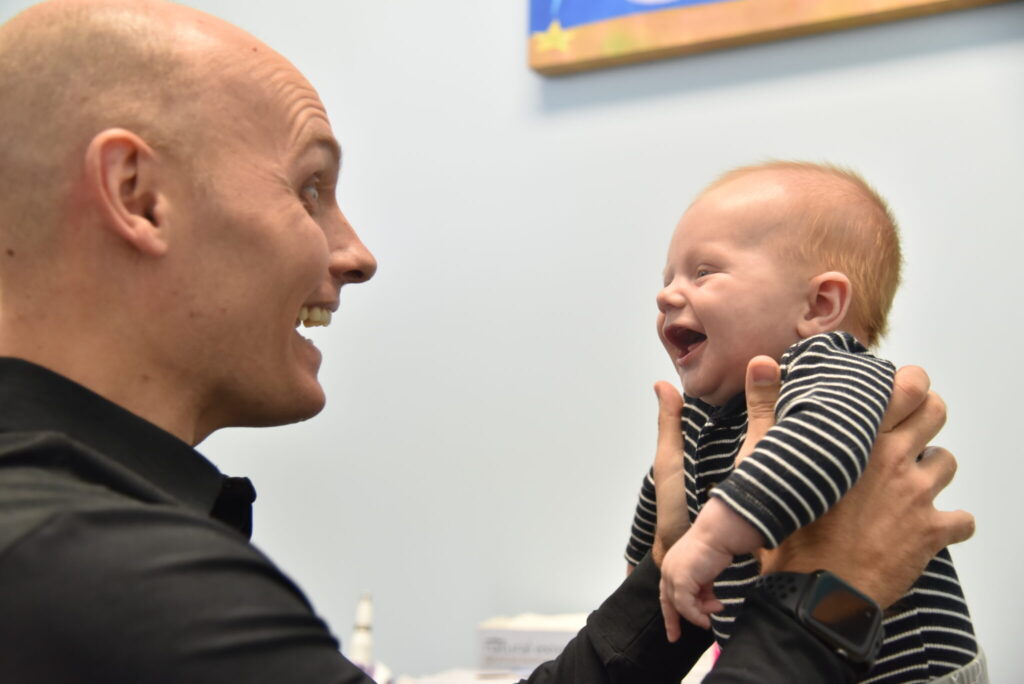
{"x": 893, "y": 448}
{"x": 950, "y": 460}
{"x": 912, "y": 381}
{"x": 935, "y": 408}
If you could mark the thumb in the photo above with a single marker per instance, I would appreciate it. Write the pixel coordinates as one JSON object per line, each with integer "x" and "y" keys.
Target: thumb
{"x": 669, "y": 479}
{"x": 762, "y": 389}
{"x": 670, "y": 437}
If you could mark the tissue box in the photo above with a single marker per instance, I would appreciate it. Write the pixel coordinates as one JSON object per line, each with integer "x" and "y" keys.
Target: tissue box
{"x": 526, "y": 641}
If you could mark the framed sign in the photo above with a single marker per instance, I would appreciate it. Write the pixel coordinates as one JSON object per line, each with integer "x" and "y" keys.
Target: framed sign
{"x": 573, "y": 35}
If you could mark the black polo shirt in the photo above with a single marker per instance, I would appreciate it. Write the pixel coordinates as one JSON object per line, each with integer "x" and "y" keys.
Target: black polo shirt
{"x": 124, "y": 557}
{"x": 124, "y": 554}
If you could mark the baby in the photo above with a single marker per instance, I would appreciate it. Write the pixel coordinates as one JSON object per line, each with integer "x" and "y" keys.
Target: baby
{"x": 799, "y": 262}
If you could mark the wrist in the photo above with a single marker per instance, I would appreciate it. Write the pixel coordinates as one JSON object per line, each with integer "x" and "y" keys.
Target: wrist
{"x": 840, "y": 616}
{"x": 718, "y": 523}
{"x": 658, "y": 552}
{"x": 795, "y": 559}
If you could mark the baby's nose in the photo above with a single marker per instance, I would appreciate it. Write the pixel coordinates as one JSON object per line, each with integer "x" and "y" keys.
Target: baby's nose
{"x": 670, "y": 298}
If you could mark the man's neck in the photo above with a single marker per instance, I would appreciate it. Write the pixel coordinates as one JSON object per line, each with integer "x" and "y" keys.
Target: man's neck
{"x": 132, "y": 383}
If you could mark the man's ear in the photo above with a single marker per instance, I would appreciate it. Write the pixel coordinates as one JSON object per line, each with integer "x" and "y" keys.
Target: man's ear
{"x": 122, "y": 173}
{"x": 828, "y": 301}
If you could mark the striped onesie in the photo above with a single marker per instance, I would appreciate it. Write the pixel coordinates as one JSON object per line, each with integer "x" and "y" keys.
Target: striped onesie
{"x": 833, "y": 396}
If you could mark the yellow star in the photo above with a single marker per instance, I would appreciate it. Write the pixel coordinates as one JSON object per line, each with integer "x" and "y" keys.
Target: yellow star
{"x": 554, "y": 38}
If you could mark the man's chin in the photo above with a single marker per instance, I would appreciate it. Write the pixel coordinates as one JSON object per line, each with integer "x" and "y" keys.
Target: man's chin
{"x": 292, "y": 408}
{"x": 305, "y": 407}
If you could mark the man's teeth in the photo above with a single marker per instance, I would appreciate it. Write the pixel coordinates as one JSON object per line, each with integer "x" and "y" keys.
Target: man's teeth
{"x": 310, "y": 316}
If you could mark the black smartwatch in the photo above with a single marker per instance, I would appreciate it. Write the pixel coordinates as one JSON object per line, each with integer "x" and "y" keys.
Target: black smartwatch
{"x": 843, "y": 618}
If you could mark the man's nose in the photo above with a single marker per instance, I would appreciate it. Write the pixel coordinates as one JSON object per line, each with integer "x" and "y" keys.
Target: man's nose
{"x": 351, "y": 261}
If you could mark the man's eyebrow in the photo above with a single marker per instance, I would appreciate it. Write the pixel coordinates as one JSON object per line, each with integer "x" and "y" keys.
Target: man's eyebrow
{"x": 332, "y": 147}
{"x": 328, "y": 144}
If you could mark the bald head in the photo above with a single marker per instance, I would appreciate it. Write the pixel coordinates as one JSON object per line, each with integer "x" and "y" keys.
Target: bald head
{"x": 831, "y": 219}
{"x": 72, "y": 68}
{"x": 168, "y": 213}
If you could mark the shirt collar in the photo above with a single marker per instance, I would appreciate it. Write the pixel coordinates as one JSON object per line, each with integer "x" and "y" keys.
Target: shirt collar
{"x": 33, "y": 398}
{"x": 734, "y": 408}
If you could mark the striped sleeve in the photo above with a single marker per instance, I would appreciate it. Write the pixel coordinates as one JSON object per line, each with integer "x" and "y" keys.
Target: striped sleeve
{"x": 834, "y": 394}
{"x": 641, "y": 536}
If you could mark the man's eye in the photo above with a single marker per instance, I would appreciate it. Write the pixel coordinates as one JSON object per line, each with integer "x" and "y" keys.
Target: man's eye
{"x": 311, "y": 194}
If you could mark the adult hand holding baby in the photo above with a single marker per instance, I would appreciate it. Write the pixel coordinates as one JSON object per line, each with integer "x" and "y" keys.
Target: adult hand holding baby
{"x": 880, "y": 535}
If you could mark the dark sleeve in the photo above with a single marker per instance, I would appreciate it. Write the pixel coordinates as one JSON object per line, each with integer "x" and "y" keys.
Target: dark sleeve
{"x": 624, "y": 641}
{"x": 833, "y": 397}
{"x": 769, "y": 647}
{"x": 151, "y": 594}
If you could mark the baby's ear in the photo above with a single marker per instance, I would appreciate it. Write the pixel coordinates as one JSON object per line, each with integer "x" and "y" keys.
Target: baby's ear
{"x": 828, "y": 301}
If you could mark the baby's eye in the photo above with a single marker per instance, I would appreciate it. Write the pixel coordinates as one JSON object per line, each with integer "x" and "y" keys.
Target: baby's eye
{"x": 701, "y": 272}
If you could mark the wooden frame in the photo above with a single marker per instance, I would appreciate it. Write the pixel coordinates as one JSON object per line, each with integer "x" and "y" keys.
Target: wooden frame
{"x": 643, "y": 30}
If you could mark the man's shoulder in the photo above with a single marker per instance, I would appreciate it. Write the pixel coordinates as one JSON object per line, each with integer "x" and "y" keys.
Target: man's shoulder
{"x": 48, "y": 481}
{"x": 140, "y": 589}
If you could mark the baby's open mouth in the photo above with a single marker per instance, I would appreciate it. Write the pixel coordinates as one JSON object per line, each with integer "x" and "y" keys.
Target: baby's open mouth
{"x": 685, "y": 339}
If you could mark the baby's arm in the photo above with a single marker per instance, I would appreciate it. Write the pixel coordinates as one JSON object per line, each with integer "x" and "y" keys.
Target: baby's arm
{"x": 829, "y": 411}
{"x": 693, "y": 563}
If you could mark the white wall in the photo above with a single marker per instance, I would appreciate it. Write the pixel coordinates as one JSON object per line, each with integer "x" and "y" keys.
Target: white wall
{"x": 490, "y": 412}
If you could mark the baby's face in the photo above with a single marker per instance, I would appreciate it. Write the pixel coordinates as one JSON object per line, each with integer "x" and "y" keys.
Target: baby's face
{"x": 731, "y": 293}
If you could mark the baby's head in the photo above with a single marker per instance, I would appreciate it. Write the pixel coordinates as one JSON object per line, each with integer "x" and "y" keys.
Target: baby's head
{"x": 768, "y": 255}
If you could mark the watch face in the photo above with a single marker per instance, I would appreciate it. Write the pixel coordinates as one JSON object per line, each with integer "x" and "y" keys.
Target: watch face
{"x": 843, "y": 614}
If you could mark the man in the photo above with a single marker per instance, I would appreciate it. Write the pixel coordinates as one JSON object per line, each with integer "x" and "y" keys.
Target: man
{"x": 167, "y": 219}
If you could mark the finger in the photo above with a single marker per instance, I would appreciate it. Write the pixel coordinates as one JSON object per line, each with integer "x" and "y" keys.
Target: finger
{"x": 958, "y": 526}
{"x": 671, "y": 617}
{"x": 701, "y": 620}
{"x": 707, "y": 601}
{"x": 921, "y": 426}
{"x": 711, "y": 605}
{"x": 689, "y": 608}
{"x": 909, "y": 389}
{"x": 940, "y": 465}
{"x": 670, "y": 436}
{"x": 670, "y": 411}
{"x": 762, "y": 390}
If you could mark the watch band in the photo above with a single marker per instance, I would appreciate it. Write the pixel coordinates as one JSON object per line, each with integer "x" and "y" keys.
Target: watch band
{"x": 785, "y": 588}
{"x": 840, "y": 616}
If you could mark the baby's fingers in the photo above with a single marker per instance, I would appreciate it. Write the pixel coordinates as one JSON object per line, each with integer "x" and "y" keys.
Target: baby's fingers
{"x": 688, "y": 606}
{"x": 668, "y": 612}
{"x": 707, "y": 602}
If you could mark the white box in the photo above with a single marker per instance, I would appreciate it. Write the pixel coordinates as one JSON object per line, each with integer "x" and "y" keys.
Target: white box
{"x": 525, "y": 641}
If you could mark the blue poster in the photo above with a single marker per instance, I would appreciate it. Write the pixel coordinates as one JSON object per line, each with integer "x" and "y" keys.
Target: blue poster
{"x": 569, "y": 13}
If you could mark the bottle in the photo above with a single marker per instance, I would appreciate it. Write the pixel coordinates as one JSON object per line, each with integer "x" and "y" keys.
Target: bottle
{"x": 360, "y": 646}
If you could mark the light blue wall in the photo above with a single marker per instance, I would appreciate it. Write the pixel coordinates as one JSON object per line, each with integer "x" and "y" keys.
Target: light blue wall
{"x": 490, "y": 412}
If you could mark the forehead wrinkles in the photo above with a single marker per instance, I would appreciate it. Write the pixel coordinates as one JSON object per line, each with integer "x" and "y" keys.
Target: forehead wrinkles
{"x": 300, "y": 104}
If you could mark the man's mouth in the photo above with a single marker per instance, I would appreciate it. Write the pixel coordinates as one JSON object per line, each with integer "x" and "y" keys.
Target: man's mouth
{"x": 686, "y": 340}
{"x": 310, "y": 316}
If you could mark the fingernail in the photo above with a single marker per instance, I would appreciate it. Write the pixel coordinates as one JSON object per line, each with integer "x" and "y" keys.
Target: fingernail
{"x": 763, "y": 375}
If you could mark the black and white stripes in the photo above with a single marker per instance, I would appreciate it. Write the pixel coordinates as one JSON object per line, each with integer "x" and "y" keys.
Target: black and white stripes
{"x": 834, "y": 394}
{"x": 833, "y": 397}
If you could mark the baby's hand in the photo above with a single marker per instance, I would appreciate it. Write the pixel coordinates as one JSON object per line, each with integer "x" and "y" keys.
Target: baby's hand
{"x": 692, "y": 564}
{"x": 687, "y": 576}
